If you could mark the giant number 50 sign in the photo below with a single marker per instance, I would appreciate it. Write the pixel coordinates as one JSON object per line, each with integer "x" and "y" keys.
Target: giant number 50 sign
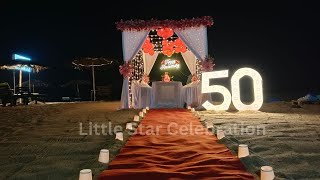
{"x": 235, "y": 89}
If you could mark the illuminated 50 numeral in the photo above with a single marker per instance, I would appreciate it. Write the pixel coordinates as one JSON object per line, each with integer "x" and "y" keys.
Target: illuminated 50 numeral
{"x": 235, "y": 88}
{"x": 216, "y": 89}
{"x": 257, "y": 89}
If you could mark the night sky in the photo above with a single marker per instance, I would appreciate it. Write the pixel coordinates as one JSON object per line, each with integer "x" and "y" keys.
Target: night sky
{"x": 280, "y": 40}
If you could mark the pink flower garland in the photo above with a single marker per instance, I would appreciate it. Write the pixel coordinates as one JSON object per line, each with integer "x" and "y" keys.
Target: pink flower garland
{"x": 138, "y": 25}
{"x": 126, "y": 70}
{"x": 207, "y": 64}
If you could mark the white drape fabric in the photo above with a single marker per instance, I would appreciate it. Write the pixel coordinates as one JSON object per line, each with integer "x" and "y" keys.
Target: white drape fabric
{"x": 141, "y": 94}
{"x": 132, "y": 41}
{"x": 192, "y": 96}
{"x": 195, "y": 39}
{"x": 125, "y": 94}
{"x": 190, "y": 60}
{"x": 148, "y": 61}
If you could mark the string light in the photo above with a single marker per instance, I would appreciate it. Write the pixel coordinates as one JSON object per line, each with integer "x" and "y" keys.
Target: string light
{"x": 206, "y": 88}
{"x": 257, "y": 89}
{"x": 198, "y": 70}
{"x": 235, "y": 87}
{"x": 138, "y": 71}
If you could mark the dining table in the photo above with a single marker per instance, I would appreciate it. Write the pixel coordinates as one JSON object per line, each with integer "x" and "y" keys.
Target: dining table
{"x": 166, "y": 94}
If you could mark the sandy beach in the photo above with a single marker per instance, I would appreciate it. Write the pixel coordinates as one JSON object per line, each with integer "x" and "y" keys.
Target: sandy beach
{"x": 43, "y": 141}
{"x": 290, "y": 142}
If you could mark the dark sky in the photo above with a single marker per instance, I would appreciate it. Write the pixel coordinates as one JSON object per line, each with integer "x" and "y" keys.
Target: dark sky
{"x": 279, "y": 39}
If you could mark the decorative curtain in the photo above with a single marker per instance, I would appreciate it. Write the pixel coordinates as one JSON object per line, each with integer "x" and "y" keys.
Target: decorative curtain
{"x": 195, "y": 39}
{"x": 132, "y": 41}
{"x": 148, "y": 61}
{"x": 190, "y": 60}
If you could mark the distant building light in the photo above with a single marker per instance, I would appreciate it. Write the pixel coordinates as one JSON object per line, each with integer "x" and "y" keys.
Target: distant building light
{"x": 19, "y": 57}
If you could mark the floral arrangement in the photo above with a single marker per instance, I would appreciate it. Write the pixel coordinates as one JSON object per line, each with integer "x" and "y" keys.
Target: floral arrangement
{"x": 146, "y": 78}
{"x": 194, "y": 78}
{"x": 126, "y": 70}
{"x": 166, "y": 77}
{"x": 207, "y": 65}
{"x": 138, "y": 25}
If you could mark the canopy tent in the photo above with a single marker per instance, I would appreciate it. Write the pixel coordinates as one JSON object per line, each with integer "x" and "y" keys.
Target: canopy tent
{"x": 22, "y": 66}
{"x": 92, "y": 63}
{"x": 192, "y": 32}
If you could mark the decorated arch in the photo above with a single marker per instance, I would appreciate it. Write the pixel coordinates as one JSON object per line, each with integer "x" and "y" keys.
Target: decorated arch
{"x": 142, "y": 41}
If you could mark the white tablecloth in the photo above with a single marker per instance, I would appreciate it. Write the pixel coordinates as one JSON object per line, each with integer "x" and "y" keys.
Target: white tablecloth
{"x": 141, "y": 95}
{"x": 166, "y": 95}
{"x": 191, "y": 94}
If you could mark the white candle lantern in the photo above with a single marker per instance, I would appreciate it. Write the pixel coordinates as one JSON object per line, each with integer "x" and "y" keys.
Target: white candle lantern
{"x": 136, "y": 118}
{"x": 141, "y": 114}
{"x": 220, "y": 134}
{"x": 104, "y": 156}
{"x": 147, "y": 108}
{"x": 189, "y": 107}
{"x": 209, "y": 125}
{"x": 192, "y": 110}
{"x": 85, "y": 174}
{"x": 144, "y": 111}
{"x": 129, "y": 126}
{"x": 266, "y": 173}
{"x": 119, "y": 136}
{"x": 197, "y": 115}
{"x": 243, "y": 150}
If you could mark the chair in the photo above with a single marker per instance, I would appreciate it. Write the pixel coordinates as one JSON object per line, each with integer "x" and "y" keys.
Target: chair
{"x": 6, "y": 94}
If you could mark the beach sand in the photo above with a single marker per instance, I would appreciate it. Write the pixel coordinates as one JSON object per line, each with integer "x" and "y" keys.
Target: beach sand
{"x": 290, "y": 142}
{"x": 43, "y": 141}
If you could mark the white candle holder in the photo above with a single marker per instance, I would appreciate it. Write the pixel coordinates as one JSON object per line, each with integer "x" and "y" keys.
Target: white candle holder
{"x": 196, "y": 114}
{"x": 129, "y": 126}
{"x": 104, "y": 156}
{"x": 144, "y": 111}
{"x": 141, "y": 114}
{"x": 147, "y": 108}
{"x": 85, "y": 174}
{"x": 119, "y": 136}
{"x": 136, "y": 118}
{"x": 209, "y": 125}
{"x": 189, "y": 107}
{"x": 193, "y": 110}
{"x": 266, "y": 173}
{"x": 220, "y": 134}
{"x": 243, "y": 150}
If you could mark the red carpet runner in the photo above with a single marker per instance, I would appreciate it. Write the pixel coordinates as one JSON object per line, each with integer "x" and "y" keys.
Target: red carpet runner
{"x": 177, "y": 152}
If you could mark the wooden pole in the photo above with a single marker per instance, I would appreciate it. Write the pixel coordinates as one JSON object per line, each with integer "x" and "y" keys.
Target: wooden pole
{"x": 93, "y": 84}
{"x": 78, "y": 91}
{"x": 14, "y": 81}
{"x": 29, "y": 82}
{"x": 20, "y": 78}
{"x": 20, "y": 83}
